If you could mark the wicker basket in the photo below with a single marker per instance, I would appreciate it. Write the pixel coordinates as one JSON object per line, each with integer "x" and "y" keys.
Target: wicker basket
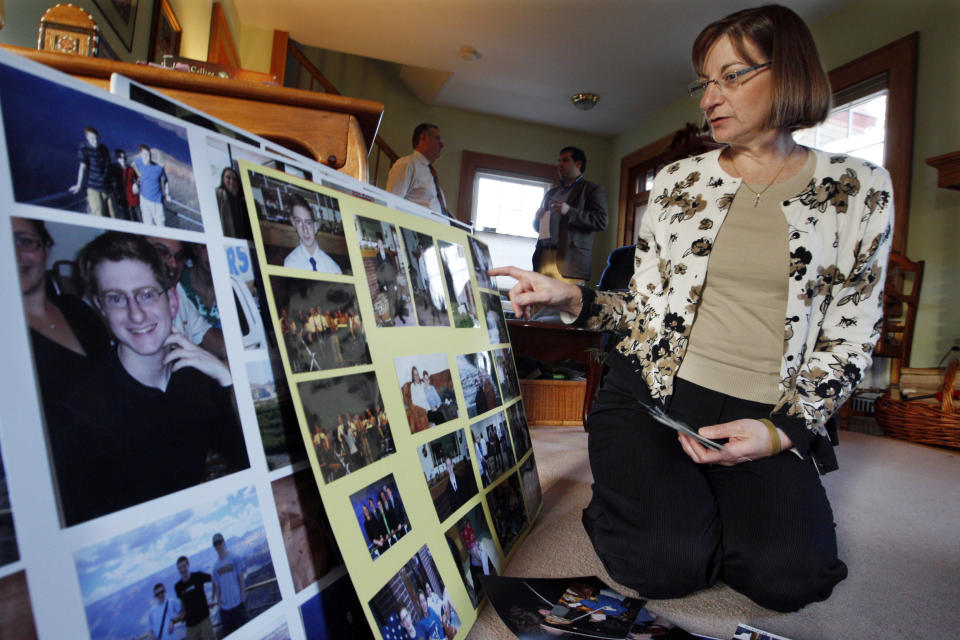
{"x": 930, "y": 421}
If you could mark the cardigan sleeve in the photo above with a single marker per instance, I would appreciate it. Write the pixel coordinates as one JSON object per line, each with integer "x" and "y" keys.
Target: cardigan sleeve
{"x": 848, "y": 315}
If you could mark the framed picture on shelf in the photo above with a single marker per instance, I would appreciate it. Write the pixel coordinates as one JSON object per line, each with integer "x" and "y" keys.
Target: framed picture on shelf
{"x": 165, "y": 32}
{"x": 122, "y": 16}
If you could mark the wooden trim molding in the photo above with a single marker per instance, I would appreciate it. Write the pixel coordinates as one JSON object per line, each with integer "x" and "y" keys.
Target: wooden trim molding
{"x": 898, "y": 61}
{"x": 471, "y": 161}
{"x": 278, "y": 55}
{"x": 221, "y": 49}
{"x": 948, "y": 169}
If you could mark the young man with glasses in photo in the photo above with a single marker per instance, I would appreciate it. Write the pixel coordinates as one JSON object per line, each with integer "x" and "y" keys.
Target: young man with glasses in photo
{"x": 145, "y": 420}
{"x": 162, "y": 614}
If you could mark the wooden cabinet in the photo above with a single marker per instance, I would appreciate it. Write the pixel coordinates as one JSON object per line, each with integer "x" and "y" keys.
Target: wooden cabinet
{"x": 331, "y": 129}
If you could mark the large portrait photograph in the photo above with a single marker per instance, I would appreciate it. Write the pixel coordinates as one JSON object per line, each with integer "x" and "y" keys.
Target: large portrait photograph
{"x": 456, "y": 273}
{"x": 321, "y": 324}
{"x": 427, "y": 280}
{"x": 131, "y": 375}
{"x": 386, "y": 273}
{"x": 448, "y": 472}
{"x": 479, "y": 381}
{"x": 208, "y": 564}
{"x": 380, "y": 515}
{"x": 414, "y": 603}
{"x": 95, "y": 157}
{"x": 347, "y": 422}
{"x": 301, "y": 228}
{"x": 474, "y": 551}
{"x": 426, "y": 385}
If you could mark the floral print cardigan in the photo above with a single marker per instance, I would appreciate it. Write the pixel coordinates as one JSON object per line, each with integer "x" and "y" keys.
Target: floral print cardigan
{"x": 840, "y": 228}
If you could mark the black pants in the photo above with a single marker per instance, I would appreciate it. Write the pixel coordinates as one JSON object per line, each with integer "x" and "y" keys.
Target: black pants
{"x": 667, "y": 526}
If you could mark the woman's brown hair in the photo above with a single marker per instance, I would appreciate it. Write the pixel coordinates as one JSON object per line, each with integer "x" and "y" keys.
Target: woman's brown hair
{"x": 801, "y": 96}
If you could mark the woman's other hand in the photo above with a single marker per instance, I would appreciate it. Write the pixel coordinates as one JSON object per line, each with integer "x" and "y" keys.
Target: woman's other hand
{"x": 534, "y": 290}
{"x": 747, "y": 439}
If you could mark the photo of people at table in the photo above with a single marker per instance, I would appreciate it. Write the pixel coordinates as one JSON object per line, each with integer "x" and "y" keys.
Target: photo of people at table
{"x": 478, "y": 378}
{"x": 347, "y": 422}
{"x": 493, "y": 312}
{"x": 507, "y": 374}
{"x": 301, "y": 228}
{"x": 448, "y": 472}
{"x": 426, "y": 385}
{"x": 474, "y": 551}
{"x": 519, "y": 430}
{"x": 95, "y": 157}
{"x": 492, "y": 447}
{"x": 426, "y": 278}
{"x": 380, "y": 515}
{"x": 456, "y": 273}
{"x": 126, "y": 383}
{"x": 414, "y": 603}
{"x": 386, "y": 273}
{"x": 321, "y": 324}
{"x": 507, "y": 511}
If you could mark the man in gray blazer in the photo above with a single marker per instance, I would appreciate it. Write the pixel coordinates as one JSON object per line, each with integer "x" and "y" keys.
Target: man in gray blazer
{"x": 572, "y": 211}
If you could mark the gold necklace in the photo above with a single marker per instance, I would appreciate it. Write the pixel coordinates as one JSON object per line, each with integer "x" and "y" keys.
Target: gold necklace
{"x": 757, "y": 194}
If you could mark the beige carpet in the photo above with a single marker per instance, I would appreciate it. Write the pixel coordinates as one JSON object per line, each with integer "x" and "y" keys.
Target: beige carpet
{"x": 897, "y": 507}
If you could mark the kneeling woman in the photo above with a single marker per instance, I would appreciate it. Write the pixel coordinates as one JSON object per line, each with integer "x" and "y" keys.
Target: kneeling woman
{"x": 750, "y": 317}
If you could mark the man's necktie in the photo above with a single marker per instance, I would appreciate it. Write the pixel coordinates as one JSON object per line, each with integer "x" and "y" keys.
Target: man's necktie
{"x": 436, "y": 184}
{"x": 313, "y": 263}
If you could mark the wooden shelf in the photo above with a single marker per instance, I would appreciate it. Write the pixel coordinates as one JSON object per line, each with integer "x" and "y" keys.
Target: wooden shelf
{"x": 948, "y": 169}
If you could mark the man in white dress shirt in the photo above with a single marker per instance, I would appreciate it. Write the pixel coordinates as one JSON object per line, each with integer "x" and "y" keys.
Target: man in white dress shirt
{"x": 413, "y": 177}
{"x": 307, "y": 256}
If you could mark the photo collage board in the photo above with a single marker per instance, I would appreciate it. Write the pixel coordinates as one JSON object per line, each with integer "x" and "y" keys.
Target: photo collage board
{"x": 245, "y": 391}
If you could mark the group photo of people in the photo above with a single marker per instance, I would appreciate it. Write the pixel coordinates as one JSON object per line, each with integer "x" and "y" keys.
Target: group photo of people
{"x": 507, "y": 511}
{"x": 478, "y": 379}
{"x": 312, "y": 550}
{"x": 97, "y": 157}
{"x": 130, "y": 375}
{"x": 493, "y": 312}
{"x": 426, "y": 385}
{"x": 415, "y": 604}
{"x": 386, "y": 273}
{"x": 519, "y": 430}
{"x": 301, "y": 227}
{"x": 348, "y": 424}
{"x": 448, "y": 472}
{"x": 474, "y": 551}
{"x": 456, "y": 273}
{"x": 321, "y": 324}
{"x": 429, "y": 299}
{"x": 202, "y": 572}
{"x": 507, "y": 374}
{"x": 380, "y": 514}
{"x": 492, "y": 447}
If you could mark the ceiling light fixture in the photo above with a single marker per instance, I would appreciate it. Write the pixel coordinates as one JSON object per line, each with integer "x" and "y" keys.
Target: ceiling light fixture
{"x": 469, "y": 53}
{"x": 584, "y": 101}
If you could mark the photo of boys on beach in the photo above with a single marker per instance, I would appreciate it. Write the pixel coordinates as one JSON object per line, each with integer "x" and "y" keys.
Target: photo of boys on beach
{"x": 96, "y": 157}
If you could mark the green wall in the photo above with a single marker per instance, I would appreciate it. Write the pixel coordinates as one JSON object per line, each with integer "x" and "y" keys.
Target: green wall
{"x": 360, "y": 77}
{"x": 857, "y": 29}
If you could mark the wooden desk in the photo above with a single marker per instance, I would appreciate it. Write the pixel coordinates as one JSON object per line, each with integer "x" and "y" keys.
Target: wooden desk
{"x": 556, "y": 402}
